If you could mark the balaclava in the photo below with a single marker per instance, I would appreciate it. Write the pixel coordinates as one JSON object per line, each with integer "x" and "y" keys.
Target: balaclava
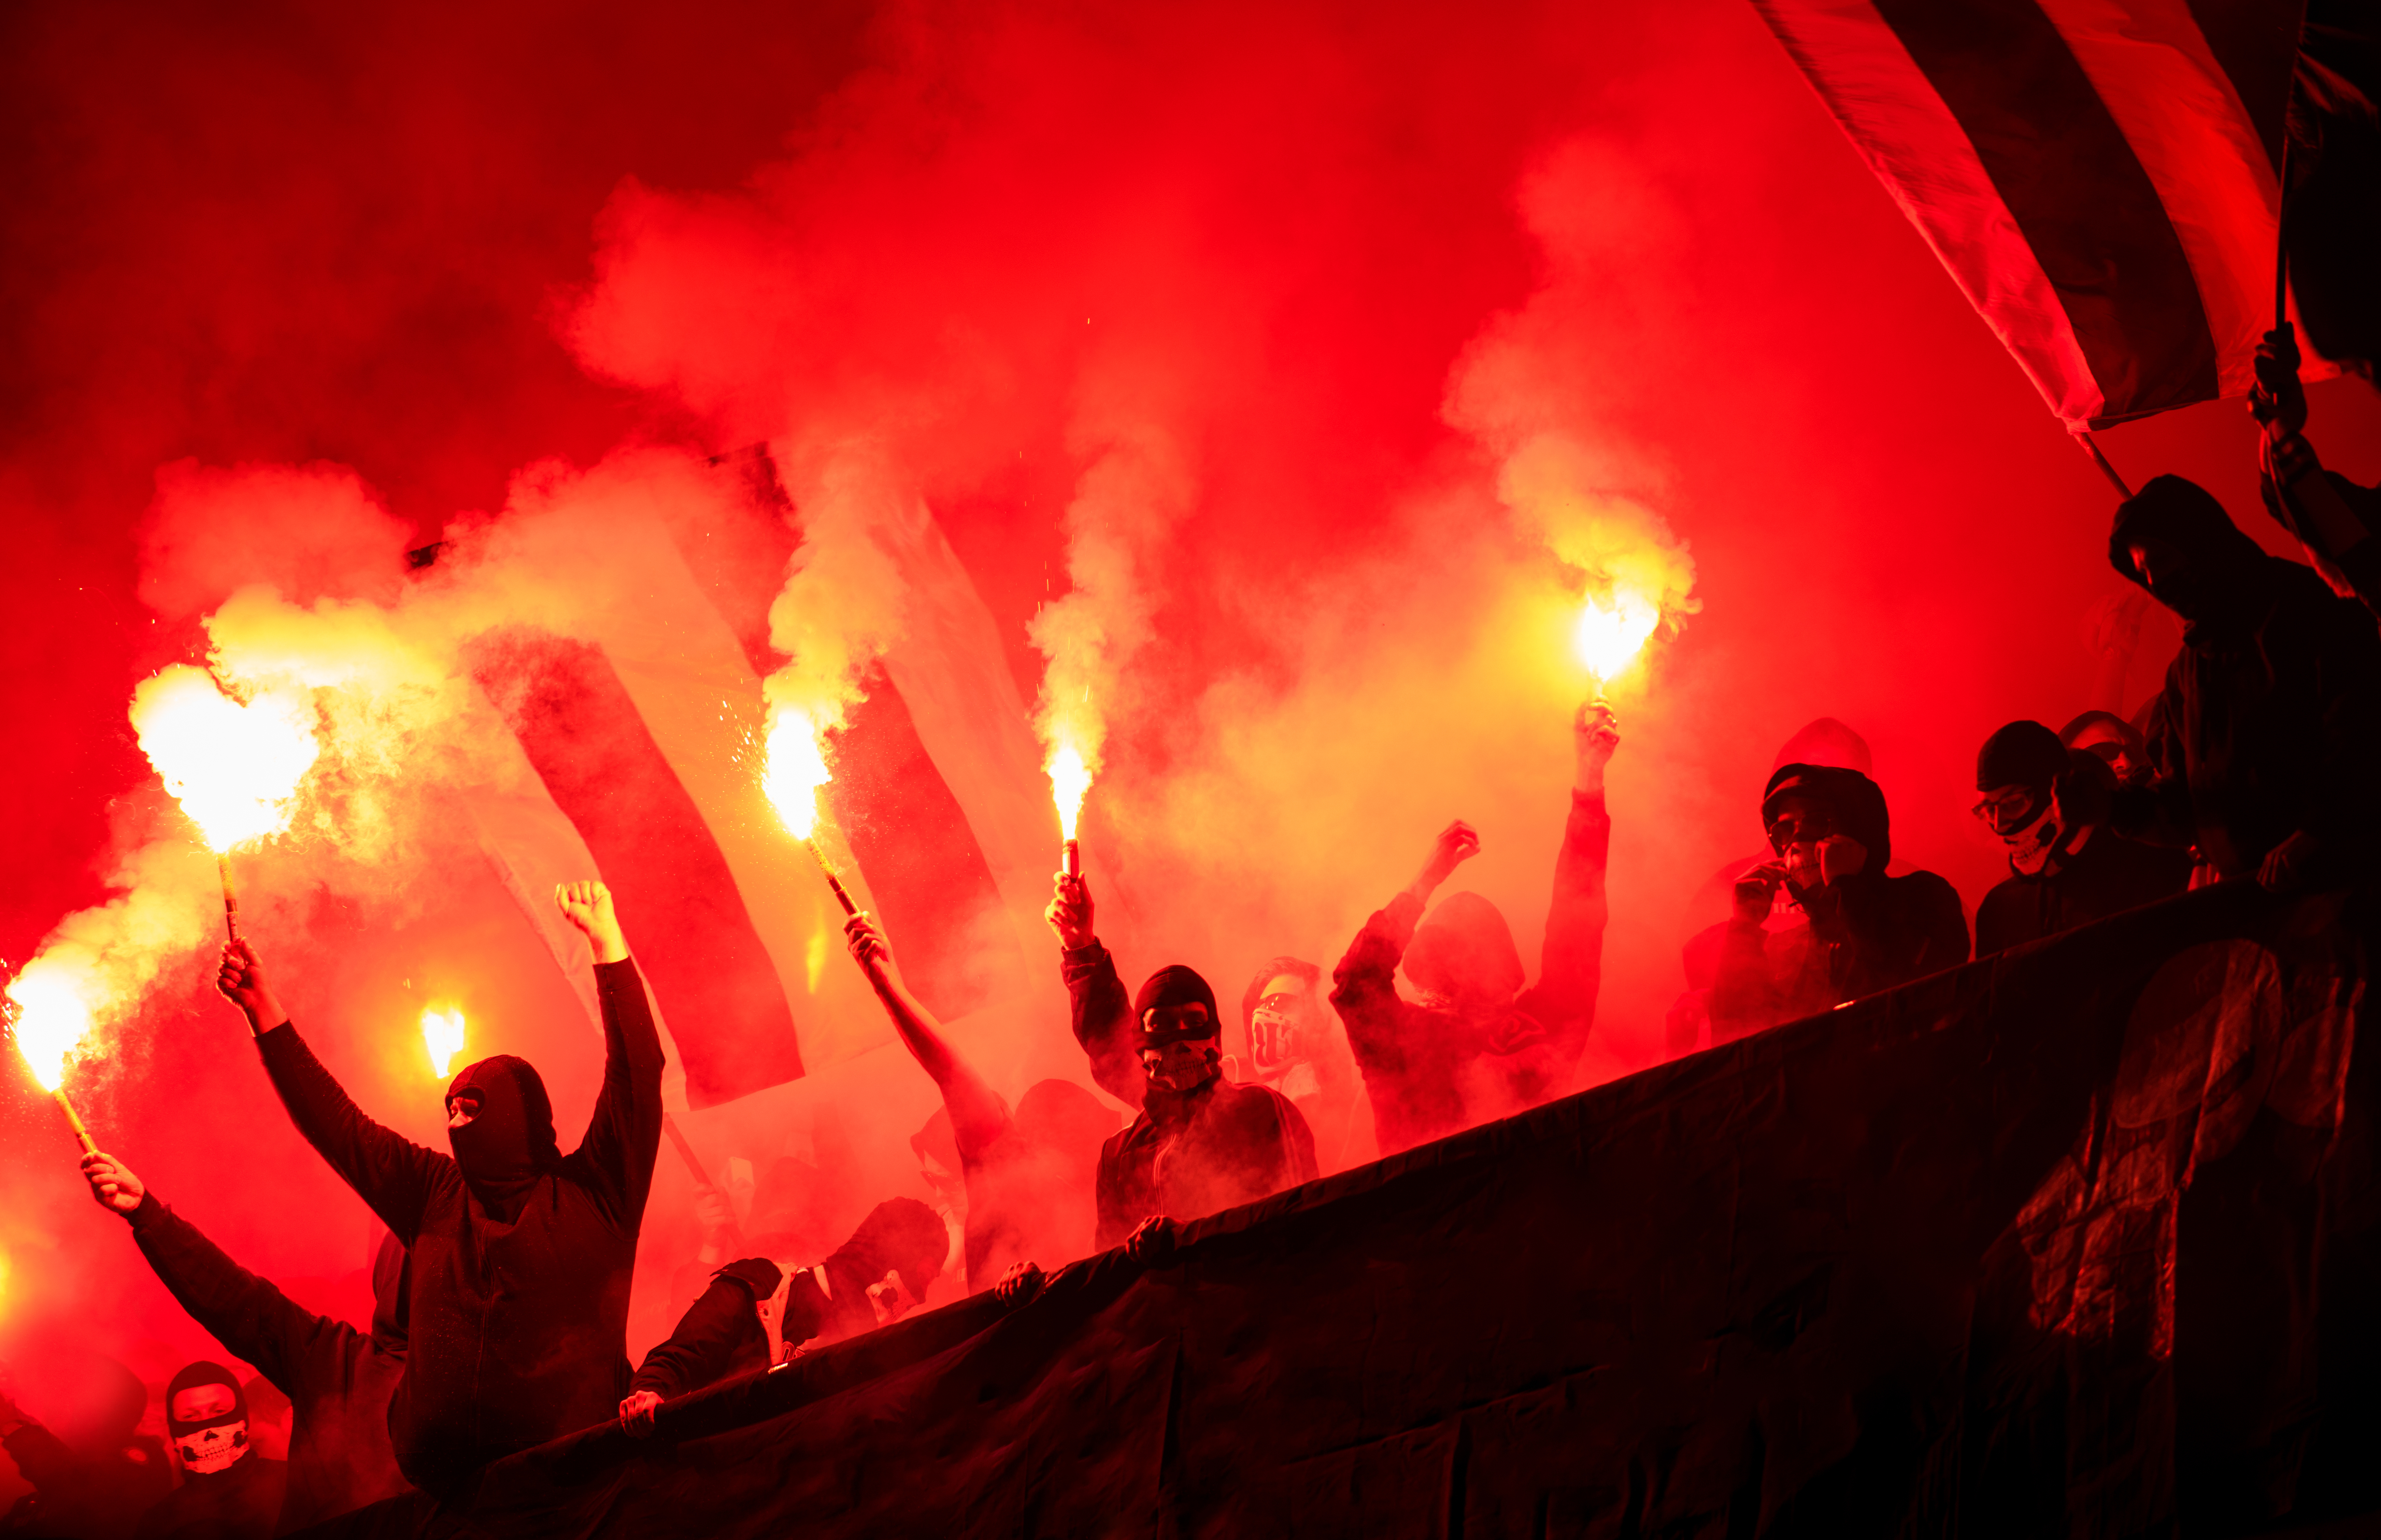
{"x": 391, "y": 1271}
{"x": 2220, "y": 563}
{"x": 1855, "y": 801}
{"x": 1174, "y": 985}
{"x": 1464, "y": 954}
{"x": 2028, "y": 755}
{"x": 510, "y": 1144}
{"x": 1274, "y": 1042}
{"x": 216, "y": 1444}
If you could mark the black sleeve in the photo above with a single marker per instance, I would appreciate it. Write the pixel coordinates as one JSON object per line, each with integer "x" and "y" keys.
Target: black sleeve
{"x": 705, "y": 1343}
{"x": 617, "y": 1158}
{"x": 391, "y": 1173}
{"x": 1102, "y": 1016}
{"x": 252, "y": 1318}
{"x": 1571, "y": 965}
{"x": 2160, "y": 812}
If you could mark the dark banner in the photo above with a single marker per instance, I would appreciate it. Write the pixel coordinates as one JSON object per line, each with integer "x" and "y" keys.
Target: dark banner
{"x": 2066, "y": 1242}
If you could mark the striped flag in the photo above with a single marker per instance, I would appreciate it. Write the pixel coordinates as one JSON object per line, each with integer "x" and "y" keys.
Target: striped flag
{"x": 2100, "y": 177}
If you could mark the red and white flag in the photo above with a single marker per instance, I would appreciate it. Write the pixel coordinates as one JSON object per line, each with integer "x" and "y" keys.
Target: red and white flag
{"x": 2100, "y": 177}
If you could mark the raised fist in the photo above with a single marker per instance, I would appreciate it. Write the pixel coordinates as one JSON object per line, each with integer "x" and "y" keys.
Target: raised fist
{"x": 1069, "y": 913}
{"x": 588, "y": 905}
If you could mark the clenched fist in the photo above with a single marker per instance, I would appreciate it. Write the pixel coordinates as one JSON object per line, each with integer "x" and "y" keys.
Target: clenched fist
{"x": 588, "y": 905}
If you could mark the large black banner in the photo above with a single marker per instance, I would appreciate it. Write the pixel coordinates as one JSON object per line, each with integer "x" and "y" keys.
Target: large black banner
{"x": 2070, "y": 1241}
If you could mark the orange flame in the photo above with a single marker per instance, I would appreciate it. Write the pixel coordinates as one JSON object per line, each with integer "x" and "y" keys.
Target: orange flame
{"x": 1070, "y": 780}
{"x": 796, "y": 770}
{"x": 1609, "y": 636}
{"x": 51, "y": 1015}
{"x": 233, "y": 767}
{"x": 442, "y": 1034}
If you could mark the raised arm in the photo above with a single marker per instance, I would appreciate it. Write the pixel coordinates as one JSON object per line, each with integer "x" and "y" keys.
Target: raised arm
{"x": 624, "y": 1137}
{"x": 1407, "y": 1074}
{"x": 978, "y": 1115}
{"x": 390, "y": 1173}
{"x": 1571, "y": 965}
{"x": 1099, "y": 1009}
{"x": 252, "y": 1318}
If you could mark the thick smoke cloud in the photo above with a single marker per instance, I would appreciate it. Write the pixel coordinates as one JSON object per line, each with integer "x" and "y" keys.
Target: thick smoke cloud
{"x": 1301, "y": 370}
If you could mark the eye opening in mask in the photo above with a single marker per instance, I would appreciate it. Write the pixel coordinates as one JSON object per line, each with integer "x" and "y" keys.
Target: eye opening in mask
{"x": 1803, "y": 826}
{"x": 468, "y": 1102}
{"x": 2008, "y": 809}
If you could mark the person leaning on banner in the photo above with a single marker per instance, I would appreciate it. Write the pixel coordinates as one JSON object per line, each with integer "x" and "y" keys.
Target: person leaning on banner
{"x": 1202, "y": 1143}
{"x": 2049, "y": 805}
{"x": 2264, "y": 744}
{"x": 760, "y": 1312}
{"x": 338, "y": 1379}
{"x": 517, "y": 1304}
{"x": 2330, "y": 515}
{"x": 1831, "y": 837}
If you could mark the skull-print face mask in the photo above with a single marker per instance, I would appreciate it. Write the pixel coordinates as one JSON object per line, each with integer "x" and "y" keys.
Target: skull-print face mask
{"x": 206, "y": 1415}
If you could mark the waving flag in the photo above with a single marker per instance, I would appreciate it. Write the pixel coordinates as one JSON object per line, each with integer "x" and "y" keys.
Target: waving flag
{"x": 2100, "y": 177}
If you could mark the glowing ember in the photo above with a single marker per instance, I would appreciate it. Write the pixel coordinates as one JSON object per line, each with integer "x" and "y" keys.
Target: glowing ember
{"x": 233, "y": 767}
{"x": 51, "y": 1018}
{"x": 442, "y": 1034}
{"x": 796, "y": 770}
{"x": 1608, "y": 637}
{"x": 1069, "y": 780}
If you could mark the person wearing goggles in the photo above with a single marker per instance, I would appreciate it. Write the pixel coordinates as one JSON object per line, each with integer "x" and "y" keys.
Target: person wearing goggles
{"x": 2048, "y": 805}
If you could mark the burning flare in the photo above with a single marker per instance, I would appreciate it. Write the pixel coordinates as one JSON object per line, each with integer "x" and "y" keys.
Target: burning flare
{"x": 442, "y": 1034}
{"x": 233, "y": 767}
{"x": 50, "y": 1017}
{"x": 1609, "y": 637}
{"x": 1070, "y": 780}
{"x": 796, "y": 770}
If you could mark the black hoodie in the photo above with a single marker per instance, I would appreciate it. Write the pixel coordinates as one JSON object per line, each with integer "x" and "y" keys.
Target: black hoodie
{"x": 1868, "y": 931}
{"x": 338, "y": 1379}
{"x": 518, "y": 1306}
{"x": 2270, "y": 720}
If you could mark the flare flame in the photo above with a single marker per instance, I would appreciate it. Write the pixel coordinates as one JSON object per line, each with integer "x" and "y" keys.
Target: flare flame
{"x": 442, "y": 1034}
{"x": 796, "y": 770}
{"x": 233, "y": 767}
{"x": 1070, "y": 780}
{"x": 1609, "y": 635}
{"x": 50, "y": 1017}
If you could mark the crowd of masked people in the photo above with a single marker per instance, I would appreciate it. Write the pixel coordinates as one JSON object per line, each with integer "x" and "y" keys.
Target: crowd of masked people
{"x": 501, "y": 1288}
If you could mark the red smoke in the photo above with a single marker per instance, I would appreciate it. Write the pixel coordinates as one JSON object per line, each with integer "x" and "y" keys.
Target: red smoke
{"x": 1263, "y": 254}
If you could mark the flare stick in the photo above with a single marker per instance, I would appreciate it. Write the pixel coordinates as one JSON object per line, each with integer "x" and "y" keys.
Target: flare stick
{"x": 1073, "y": 857}
{"x": 74, "y": 1121}
{"x": 231, "y": 897}
{"x": 841, "y": 895}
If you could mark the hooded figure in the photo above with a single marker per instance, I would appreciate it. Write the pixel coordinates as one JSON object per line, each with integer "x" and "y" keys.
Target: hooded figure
{"x": 518, "y": 1297}
{"x": 228, "y": 1491}
{"x": 1296, "y": 1048}
{"x": 1831, "y": 838}
{"x": 2049, "y": 805}
{"x": 2265, "y": 746}
{"x": 338, "y": 1379}
{"x": 1478, "y": 1045}
{"x": 2112, "y": 740}
{"x": 761, "y": 1309}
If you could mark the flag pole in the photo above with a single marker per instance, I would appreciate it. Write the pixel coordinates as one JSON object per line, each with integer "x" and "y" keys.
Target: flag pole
{"x": 2092, "y": 447}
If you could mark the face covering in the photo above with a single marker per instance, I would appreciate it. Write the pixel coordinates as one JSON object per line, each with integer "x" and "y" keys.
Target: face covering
{"x": 509, "y": 1143}
{"x": 208, "y": 1446}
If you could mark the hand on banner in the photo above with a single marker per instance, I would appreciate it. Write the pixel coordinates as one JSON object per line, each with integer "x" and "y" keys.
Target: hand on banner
{"x": 637, "y": 1413}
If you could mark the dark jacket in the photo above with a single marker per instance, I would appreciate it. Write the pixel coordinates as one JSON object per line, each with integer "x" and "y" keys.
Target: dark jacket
{"x": 1187, "y": 1156}
{"x": 721, "y": 1333}
{"x": 80, "y": 1494}
{"x": 243, "y": 1503}
{"x": 2359, "y": 567}
{"x": 1430, "y": 1072}
{"x": 2108, "y": 876}
{"x": 338, "y": 1379}
{"x": 2270, "y": 720}
{"x": 1868, "y": 931}
{"x": 518, "y": 1327}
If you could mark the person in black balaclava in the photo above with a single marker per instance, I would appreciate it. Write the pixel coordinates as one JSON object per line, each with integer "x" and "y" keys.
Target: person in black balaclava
{"x": 338, "y": 1379}
{"x": 2266, "y": 744}
{"x": 517, "y": 1299}
{"x": 1202, "y": 1142}
{"x": 1831, "y": 838}
{"x": 1025, "y": 1192}
{"x": 2112, "y": 740}
{"x": 1479, "y": 1046}
{"x": 761, "y": 1310}
{"x": 228, "y": 1491}
{"x": 2049, "y": 805}
{"x": 92, "y": 1472}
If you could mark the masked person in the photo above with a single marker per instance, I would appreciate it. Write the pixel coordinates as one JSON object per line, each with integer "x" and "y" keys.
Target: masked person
{"x": 2264, "y": 745}
{"x": 228, "y": 1491}
{"x": 93, "y": 1473}
{"x": 1831, "y": 839}
{"x": 761, "y": 1309}
{"x": 2049, "y": 806}
{"x": 338, "y": 1379}
{"x": 2331, "y": 516}
{"x": 2112, "y": 740}
{"x": 1295, "y": 1047}
{"x": 1200, "y": 1144}
{"x": 1479, "y": 1046}
{"x": 516, "y": 1302}
{"x": 1024, "y": 1194}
